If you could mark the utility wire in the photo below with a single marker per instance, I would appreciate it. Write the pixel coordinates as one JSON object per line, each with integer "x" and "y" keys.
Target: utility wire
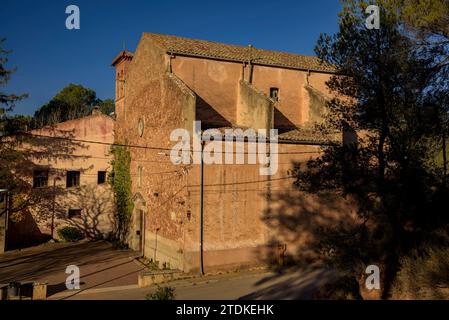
{"x": 168, "y": 149}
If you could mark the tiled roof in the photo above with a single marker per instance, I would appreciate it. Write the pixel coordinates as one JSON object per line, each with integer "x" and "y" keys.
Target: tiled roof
{"x": 308, "y": 135}
{"x": 298, "y": 135}
{"x": 216, "y": 50}
{"x": 125, "y": 54}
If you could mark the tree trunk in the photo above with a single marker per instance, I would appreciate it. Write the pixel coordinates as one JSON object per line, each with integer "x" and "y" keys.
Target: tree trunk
{"x": 444, "y": 158}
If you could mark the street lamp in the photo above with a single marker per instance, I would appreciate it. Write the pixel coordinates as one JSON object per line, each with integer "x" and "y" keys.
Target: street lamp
{"x": 4, "y": 194}
{"x": 54, "y": 206}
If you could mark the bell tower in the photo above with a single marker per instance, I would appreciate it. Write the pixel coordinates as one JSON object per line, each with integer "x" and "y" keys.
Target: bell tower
{"x": 121, "y": 64}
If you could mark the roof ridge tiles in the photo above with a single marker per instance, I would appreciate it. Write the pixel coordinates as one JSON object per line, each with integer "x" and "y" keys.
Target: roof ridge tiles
{"x": 217, "y": 50}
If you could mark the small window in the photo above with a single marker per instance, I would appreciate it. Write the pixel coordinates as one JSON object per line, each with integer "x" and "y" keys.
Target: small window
{"x": 274, "y": 94}
{"x": 73, "y": 179}
{"x": 139, "y": 176}
{"x": 101, "y": 177}
{"x": 40, "y": 178}
{"x": 74, "y": 213}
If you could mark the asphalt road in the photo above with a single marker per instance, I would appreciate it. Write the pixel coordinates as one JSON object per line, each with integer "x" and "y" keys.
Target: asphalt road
{"x": 99, "y": 264}
{"x": 247, "y": 285}
{"x": 112, "y": 274}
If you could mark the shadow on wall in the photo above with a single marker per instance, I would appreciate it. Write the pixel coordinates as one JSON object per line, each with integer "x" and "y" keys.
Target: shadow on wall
{"x": 297, "y": 223}
{"x": 97, "y": 211}
{"x": 97, "y": 215}
{"x": 25, "y": 232}
{"x": 208, "y": 116}
{"x": 281, "y": 122}
{"x": 317, "y": 104}
{"x": 34, "y": 208}
{"x": 20, "y": 154}
{"x": 95, "y": 222}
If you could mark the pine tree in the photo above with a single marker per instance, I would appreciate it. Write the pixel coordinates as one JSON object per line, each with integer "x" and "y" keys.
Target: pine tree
{"x": 381, "y": 88}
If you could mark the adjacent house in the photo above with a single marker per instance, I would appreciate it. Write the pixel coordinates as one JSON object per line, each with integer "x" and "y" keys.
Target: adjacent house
{"x": 194, "y": 217}
{"x": 66, "y": 167}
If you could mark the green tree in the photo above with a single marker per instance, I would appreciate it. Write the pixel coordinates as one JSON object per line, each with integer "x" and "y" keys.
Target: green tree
{"x": 107, "y": 106}
{"x": 427, "y": 23}
{"x": 426, "y": 17}
{"x": 72, "y": 102}
{"x": 15, "y": 123}
{"x": 12, "y": 160}
{"x": 381, "y": 87}
{"x": 7, "y": 100}
{"x": 17, "y": 155}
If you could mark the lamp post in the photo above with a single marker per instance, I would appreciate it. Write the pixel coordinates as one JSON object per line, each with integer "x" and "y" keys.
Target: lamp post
{"x": 202, "y": 210}
{"x": 4, "y": 193}
{"x": 53, "y": 207}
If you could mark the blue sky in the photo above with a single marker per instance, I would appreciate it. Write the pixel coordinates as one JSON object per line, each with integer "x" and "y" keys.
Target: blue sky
{"x": 48, "y": 56}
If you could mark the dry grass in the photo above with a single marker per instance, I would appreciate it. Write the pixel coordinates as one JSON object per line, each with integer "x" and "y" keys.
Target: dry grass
{"x": 423, "y": 277}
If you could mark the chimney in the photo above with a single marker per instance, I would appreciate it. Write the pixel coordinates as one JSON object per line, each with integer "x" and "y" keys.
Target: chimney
{"x": 250, "y": 65}
{"x": 96, "y": 111}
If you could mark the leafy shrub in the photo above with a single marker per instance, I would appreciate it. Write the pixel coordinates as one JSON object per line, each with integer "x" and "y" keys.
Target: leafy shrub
{"x": 150, "y": 263}
{"x": 115, "y": 242}
{"x": 120, "y": 245}
{"x": 162, "y": 293}
{"x": 70, "y": 234}
{"x": 345, "y": 288}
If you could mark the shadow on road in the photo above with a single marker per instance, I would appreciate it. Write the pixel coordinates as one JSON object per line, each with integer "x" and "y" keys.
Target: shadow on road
{"x": 99, "y": 261}
{"x": 297, "y": 285}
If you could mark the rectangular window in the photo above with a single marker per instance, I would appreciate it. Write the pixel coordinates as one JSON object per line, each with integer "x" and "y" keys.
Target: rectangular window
{"x": 40, "y": 178}
{"x": 73, "y": 179}
{"x": 274, "y": 94}
{"x": 74, "y": 213}
{"x": 101, "y": 177}
{"x": 139, "y": 176}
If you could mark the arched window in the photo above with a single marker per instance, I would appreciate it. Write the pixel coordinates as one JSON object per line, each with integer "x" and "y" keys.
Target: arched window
{"x": 140, "y": 127}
